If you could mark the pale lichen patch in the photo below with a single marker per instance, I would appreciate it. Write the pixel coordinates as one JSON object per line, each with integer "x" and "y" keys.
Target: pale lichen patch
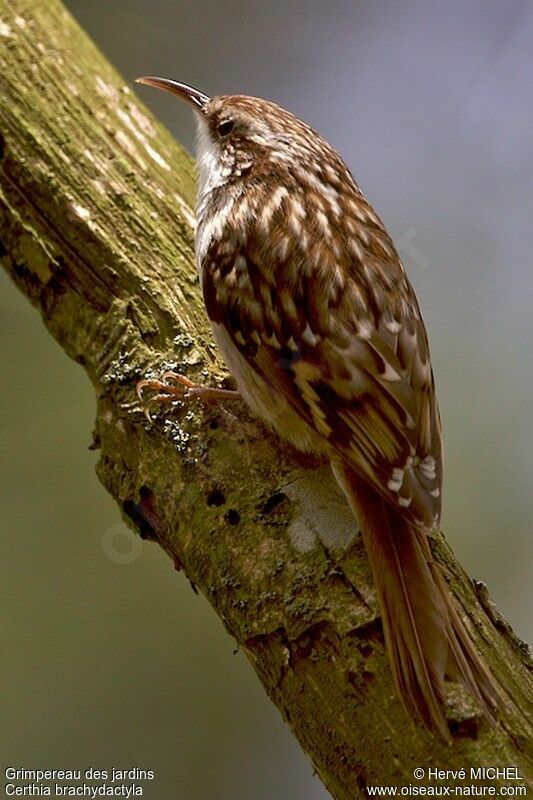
{"x": 183, "y": 340}
{"x": 128, "y": 146}
{"x": 89, "y": 155}
{"x": 177, "y": 435}
{"x": 99, "y": 186}
{"x": 157, "y": 190}
{"x": 126, "y": 119}
{"x": 5, "y": 29}
{"x": 105, "y": 89}
{"x": 63, "y": 156}
{"x": 80, "y": 211}
{"x": 142, "y": 120}
{"x": 74, "y": 91}
{"x": 128, "y": 122}
{"x": 186, "y": 210}
{"x": 156, "y": 156}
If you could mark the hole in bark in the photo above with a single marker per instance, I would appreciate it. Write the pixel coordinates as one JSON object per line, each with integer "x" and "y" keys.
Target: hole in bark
{"x": 273, "y": 502}
{"x": 133, "y": 511}
{"x": 365, "y": 648}
{"x": 233, "y": 517}
{"x": 464, "y": 728}
{"x": 366, "y": 635}
{"x": 215, "y": 498}
{"x": 360, "y": 680}
{"x": 307, "y": 645}
{"x": 143, "y": 513}
{"x": 213, "y": 424}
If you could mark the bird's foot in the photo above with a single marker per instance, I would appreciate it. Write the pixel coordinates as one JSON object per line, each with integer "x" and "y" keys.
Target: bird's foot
{"x": 173, "y": 387}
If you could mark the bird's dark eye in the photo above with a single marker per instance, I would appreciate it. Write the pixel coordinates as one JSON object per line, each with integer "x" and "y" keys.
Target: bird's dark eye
{"x": 225, "y": 127}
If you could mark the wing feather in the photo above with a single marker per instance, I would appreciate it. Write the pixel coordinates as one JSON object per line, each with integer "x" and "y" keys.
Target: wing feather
{"x": 362, "y": 382}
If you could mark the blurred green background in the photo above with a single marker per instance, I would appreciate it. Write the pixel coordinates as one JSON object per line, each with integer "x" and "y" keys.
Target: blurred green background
{"x": 108, "y": 657}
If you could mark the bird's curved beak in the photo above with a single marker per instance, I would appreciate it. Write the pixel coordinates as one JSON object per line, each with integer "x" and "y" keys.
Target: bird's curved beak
{"x": 182, "y": 90}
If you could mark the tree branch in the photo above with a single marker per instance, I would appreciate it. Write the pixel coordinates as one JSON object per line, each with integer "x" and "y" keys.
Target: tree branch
{"x": 96, "y": 229}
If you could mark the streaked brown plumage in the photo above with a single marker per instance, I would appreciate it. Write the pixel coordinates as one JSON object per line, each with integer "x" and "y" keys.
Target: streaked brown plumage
{"x": 320, "y": 327}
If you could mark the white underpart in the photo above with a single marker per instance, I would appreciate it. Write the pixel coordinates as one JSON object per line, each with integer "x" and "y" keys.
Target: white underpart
{"x": 210, "y": 175}
{"x": 211, "y": 171}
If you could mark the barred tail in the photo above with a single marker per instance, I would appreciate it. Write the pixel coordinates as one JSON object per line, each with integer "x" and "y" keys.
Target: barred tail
{"x": 425, "y": 637}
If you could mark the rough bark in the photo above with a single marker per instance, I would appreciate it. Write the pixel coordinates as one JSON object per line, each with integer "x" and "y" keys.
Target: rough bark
{"x": 96, "y": 229}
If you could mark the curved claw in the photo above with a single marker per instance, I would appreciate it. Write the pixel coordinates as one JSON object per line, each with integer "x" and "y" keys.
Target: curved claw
{"x": 174, "y": 387}
{"x": 177, "y": 378}
{"x": 139, "y": 389}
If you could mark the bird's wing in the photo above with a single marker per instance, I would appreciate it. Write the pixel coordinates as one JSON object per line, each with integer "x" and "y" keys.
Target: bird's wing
{"x": 350, "y": 355}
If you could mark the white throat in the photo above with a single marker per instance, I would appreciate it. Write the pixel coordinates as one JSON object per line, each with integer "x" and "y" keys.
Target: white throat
{"x": 212, "y": 170}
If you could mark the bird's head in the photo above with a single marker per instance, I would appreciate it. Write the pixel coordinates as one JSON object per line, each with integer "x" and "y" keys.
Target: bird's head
{"x": 242, "y": 136}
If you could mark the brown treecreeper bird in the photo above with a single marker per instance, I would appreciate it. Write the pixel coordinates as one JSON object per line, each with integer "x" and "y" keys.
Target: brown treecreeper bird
{"x": 321, "y": 330}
